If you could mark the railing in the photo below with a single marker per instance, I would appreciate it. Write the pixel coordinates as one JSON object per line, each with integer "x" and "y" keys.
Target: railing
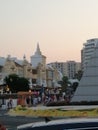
{"x": 8, "y": 95}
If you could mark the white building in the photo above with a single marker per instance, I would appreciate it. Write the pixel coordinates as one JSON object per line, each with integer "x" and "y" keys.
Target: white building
{"x": 44, "y": 75}
{"x": 38, "y": 62}
{"x": 69, "y": 68}
{"x": 87, "y": 51}
{"x": 88, "y": 86}
{"x": 38, "y": 58}
{"x": 60, "y": 66}
{"x": 72, "y": 68}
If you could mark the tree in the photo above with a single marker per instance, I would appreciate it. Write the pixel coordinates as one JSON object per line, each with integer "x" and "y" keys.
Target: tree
{"x": 23, "y": 84}
{"x": 74, "y": 86}
{"x": 16, "y": 83}
{"x": 64, "y": 83}
{"x": 78, "y": 75}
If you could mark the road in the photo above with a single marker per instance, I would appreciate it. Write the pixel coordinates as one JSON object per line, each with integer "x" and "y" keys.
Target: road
{"x": 11, "y": 122}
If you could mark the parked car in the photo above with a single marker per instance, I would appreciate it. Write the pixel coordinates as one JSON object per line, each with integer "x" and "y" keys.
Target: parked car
{"x": 63, "y": 124}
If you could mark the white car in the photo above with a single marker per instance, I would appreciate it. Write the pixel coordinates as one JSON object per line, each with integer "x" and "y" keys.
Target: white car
{"x": 63, "y": 124}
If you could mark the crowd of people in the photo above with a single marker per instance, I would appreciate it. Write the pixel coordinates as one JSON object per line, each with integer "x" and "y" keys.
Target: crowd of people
{"x": 44, "y": 99}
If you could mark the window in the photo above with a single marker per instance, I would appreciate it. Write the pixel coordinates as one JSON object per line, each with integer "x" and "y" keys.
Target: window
{"x": 34, "y": 81}
{"x": 34, "y": 71}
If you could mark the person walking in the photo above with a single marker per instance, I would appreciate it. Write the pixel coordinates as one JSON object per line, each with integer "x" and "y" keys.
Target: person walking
{"x": 10, "y": 103}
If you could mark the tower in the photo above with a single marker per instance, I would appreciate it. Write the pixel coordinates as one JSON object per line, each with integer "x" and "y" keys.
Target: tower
{"x": 87, "y": 51}
{"x": 38, "y": 62}
{"x": 38, "y": 58}
{"x": 88, "y": 86}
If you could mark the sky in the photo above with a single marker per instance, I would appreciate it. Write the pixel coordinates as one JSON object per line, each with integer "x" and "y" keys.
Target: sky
{"x": 61, "y": 27}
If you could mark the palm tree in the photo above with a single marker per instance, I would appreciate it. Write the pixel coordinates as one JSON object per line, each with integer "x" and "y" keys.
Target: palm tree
{"x": 78, "y": 75}
{"x": 64, "y": 83}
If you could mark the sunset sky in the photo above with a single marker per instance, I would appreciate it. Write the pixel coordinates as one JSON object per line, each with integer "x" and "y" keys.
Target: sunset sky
{"x": 60, "y": 26}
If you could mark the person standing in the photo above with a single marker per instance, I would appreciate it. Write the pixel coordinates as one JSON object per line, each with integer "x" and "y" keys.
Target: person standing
{"x": 10, "y": 103}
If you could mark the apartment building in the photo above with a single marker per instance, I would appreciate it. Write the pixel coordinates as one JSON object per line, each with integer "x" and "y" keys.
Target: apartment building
{"x": 87, "y": 51}
{"x": 87, "y": 89}
{"x": 69, "y": 68}
{"x": 60, "y": 66}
